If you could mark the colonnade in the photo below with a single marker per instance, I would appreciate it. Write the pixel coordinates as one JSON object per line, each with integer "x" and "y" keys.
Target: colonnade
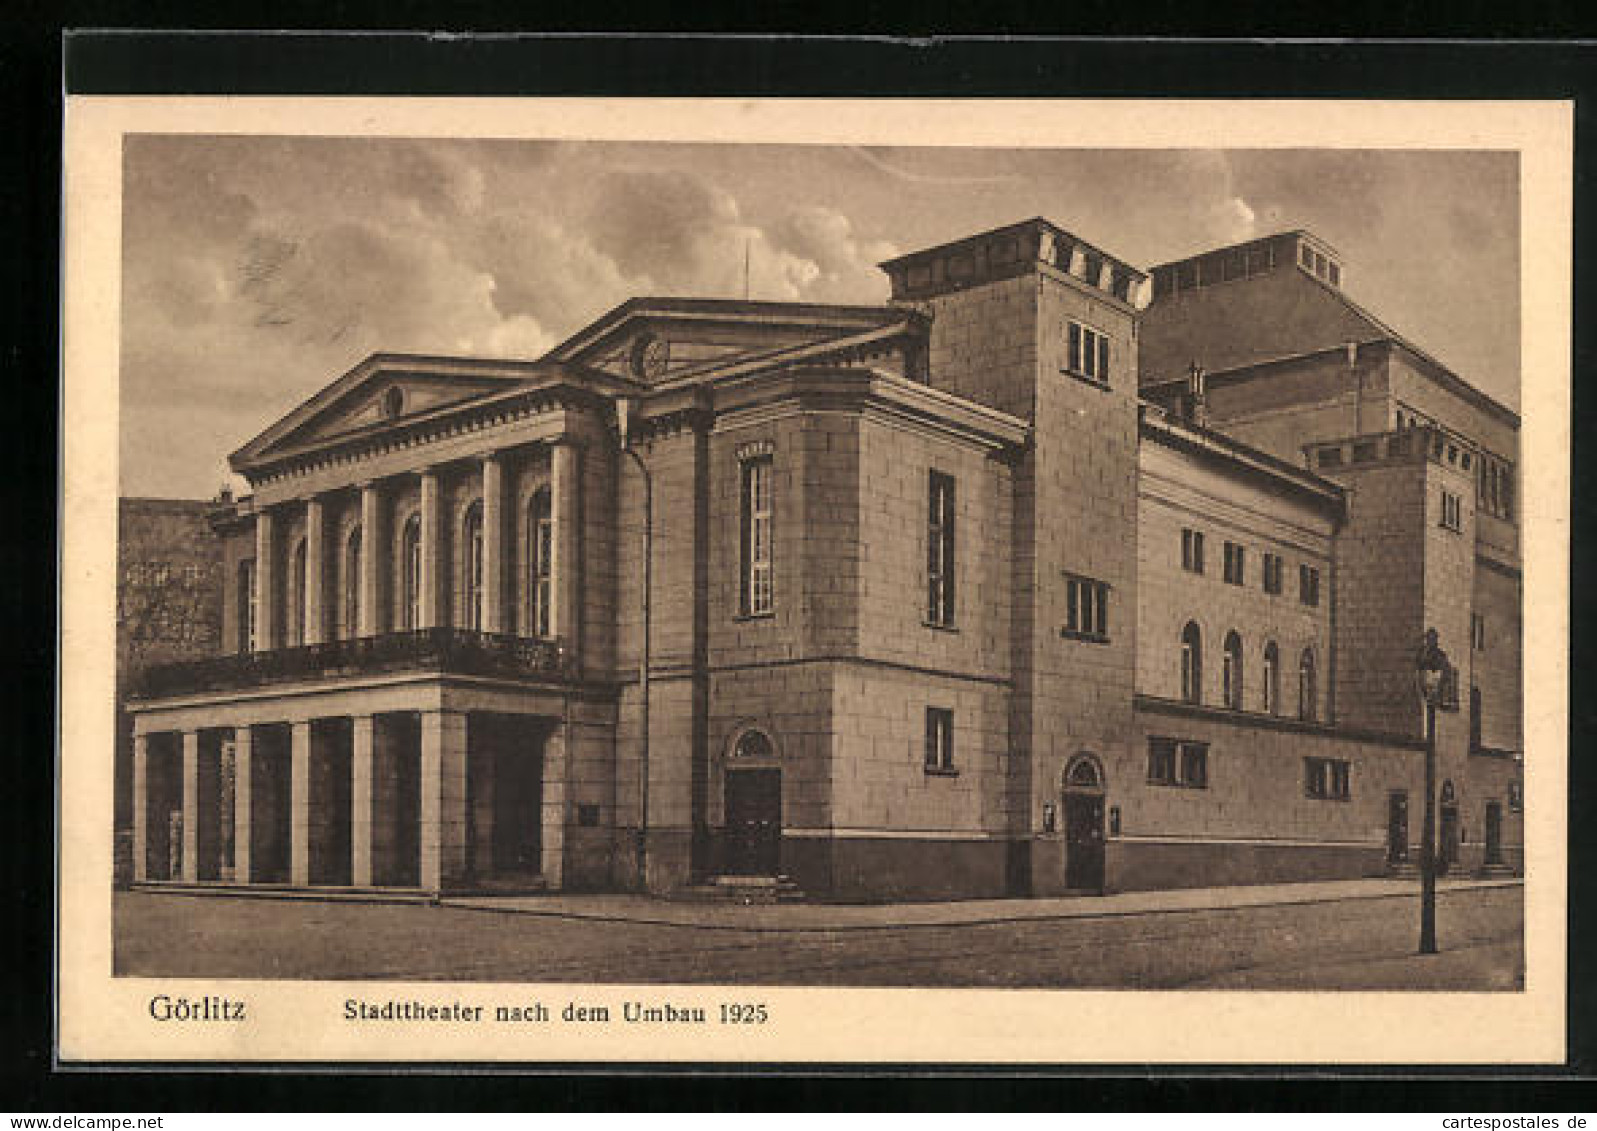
{"x": 359, "y": 800}
{"x": 433, "y": 606}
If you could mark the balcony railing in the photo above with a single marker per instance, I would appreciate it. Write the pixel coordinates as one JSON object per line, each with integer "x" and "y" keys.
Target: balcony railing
{"x": 444, "y": 650}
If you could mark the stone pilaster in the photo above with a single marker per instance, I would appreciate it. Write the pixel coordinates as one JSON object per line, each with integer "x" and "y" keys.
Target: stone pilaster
{"x": 493, "y": 543}
{"x": 362, "y": 815}
{"x": 141, "y": 807}
{"x": 315, "y": 611}
{"x": 564, "y": 623}
{"x": 443, "y": 798}
{"x": 191, "y": 805}
{"x": 299, "y": 838}
{"x": 266, "y": 612}
{"x": 556, "y": 772}
{"x": 432, "y": 559}
{"x": 243, "y": 794}
{"x": 371, "y": 561}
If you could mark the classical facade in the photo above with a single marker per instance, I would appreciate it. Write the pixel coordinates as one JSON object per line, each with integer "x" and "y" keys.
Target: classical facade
{"x": 1008, "y": 586}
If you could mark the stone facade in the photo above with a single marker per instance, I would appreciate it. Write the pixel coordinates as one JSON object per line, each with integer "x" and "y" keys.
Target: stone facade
{"x": 888, "y": 600}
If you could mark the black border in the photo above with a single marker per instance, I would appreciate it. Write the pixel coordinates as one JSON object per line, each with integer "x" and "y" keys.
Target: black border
{"x": 133, "y": 63}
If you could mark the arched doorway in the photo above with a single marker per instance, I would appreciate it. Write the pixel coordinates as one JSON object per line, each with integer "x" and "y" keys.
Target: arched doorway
{"x": 752, "y": 813}
{"x": 1083, "y": 803}
{"x": 1447, "y": 849}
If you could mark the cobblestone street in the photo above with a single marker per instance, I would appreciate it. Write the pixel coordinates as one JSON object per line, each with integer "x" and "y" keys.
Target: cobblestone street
{"x": 1294, "y": 941}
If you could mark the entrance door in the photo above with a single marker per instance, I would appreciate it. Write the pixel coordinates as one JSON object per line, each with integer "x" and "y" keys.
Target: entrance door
{"x": 753, "y": 822}
{"x": 1084, "y": 841}
{"x": 1397, "y": 828}
{"x": 1494, "y": 832}
{"x": 517, "y": 808}
{"x": 1448, "y": 850}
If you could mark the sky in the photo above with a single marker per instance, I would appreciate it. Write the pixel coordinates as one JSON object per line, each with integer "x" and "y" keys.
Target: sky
{"x": 256, "y": 270}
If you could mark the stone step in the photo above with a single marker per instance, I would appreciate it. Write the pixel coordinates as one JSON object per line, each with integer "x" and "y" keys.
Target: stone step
{"x": 746, "y": 890}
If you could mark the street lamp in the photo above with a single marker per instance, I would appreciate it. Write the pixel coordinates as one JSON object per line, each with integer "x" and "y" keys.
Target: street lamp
{"x": 1430, "y": 672}
{"x": 624, "y": 409}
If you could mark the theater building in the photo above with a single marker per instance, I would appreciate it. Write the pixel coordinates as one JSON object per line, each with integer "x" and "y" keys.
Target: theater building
{"x": 1008, "y": 586}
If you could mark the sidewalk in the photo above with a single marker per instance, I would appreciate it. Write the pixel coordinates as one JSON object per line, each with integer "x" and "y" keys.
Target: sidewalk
{"x": 817, "y": 917}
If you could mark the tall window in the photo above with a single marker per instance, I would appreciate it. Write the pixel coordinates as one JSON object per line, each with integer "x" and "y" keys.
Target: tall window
{"x": 1308, "y": 690}
{"x": 1192, "y": 550}
{"x": 1232, "y": 671}
{"x": 1308, "y": 585}
{"x": 296, "y": 597}
{"x": 939, "y": 740}
{"x": 1477, "y": 632}
{"x": 1272, "y": 679}
{"x": 411, "y": 574}
{"x": 1474, "y": 718}
{"x": 1192, "y": 663}
{"x": 1087, "y": 354}
{"x": 1452, "y": 511}
{"x": 940, "y": 550}
{"x": 472, "y": 540}
{"x": 1174, "y": 761}
{"x": 1272, "y": 573}
{"x": 758, "y": 596}
{"x": 1235, "y": 558}
{"x": 352, "y": 584}
{"x": 246, "y": 605}
{"x": 540, "y": 558}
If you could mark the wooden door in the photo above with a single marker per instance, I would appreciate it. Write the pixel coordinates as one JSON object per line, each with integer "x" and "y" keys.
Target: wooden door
{"x": 1397, "y": 828}
{"x": 1084, "y": 864}
{"x": 753, "y": 822}
{"x": 1494, "y": 832}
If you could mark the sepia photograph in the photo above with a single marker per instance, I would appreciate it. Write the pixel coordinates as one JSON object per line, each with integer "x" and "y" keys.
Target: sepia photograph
{"x": 657, "y": 563}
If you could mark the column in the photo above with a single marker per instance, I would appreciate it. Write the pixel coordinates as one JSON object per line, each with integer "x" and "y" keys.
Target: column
{"x": 552, "y": 818}
{"x": 362, "y": 812}
{"x": 191, "y": 805}
{"x": 299, "y": 786}
{"x": 431, "y": 550}
{"x": 141, "y": 807}
{"x": 372, "y": 556}
{"x": 443, "y": 798}
{"x": 243, "y": 792}
{"x": 315, "y": 571}
{"x": 265, "y": 582}
{"x": 493, "y": 543}
{"x": 563, "y": 623}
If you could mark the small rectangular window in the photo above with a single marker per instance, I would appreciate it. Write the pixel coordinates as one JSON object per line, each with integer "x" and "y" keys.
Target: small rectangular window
{"x": 1086, "y": 608}
{"x": 1087, "y": 353}
{"x": 1308, "y": 585}
{"x": 1177, "y": 762}
{"x": 1192, "y": 550}
{"x": 1477, "y": 632}
{"x": 940, "y": 547}
{"x": 1327, "y": 779}
{"x": 1235, "y": 563}
{"x": 758, "y": 594}
{"x": 1336, "y": 275}
{"x": 939, "y": 740}
{"x": 1452, "y": 511}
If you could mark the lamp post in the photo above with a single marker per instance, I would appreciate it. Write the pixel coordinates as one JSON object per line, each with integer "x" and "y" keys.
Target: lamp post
{"x": 624, "y": 408}
{"x": 1431, "y": 668}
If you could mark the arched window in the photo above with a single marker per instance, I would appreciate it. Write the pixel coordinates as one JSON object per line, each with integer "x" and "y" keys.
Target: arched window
{"x": 754, "y": 744}
{"x": 540, "y": 561}
{"x": 1083, "y": 774}
{"x": 410, "y": 574}
{"x": 1192, "y": 663}
{"x": 296, "y": 597}
{"x": 1272, "y": 679}
{"x": 1308, "y": 691}
{"x": 471, "y": 542}
{"x": 351, "y": 615}
{"x": 1231, "y": 673}
{"x": 246, "y": 605}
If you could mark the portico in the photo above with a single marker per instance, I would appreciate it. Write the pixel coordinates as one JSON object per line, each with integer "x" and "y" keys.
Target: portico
{"x": 410, "y": 780}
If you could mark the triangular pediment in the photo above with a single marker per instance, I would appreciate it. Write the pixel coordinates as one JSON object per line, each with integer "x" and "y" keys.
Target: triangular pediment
{"x": 661, "y": 340}
{"x": 380, "y": 392}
